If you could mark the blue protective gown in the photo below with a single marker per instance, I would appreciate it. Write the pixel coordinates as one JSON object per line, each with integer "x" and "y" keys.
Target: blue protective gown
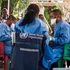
{"x": 36, "y": 27}
{"x": 60, "y": 38}
{"x": 5, "y": 36}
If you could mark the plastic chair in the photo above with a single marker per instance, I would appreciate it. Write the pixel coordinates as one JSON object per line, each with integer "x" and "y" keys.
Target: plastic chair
{"x": 5, "y": 62}
{"x": 4, "y": 57}
{"x": 2, "y": 50}
{"x": 1, "y": 54}
{"x": 66, "y": 56}
{"x": 60, "y": 63}
{"x": 66, "y": 52}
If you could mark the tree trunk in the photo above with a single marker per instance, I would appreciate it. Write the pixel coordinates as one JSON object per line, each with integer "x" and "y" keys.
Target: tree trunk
{"x": 4, "y": 4}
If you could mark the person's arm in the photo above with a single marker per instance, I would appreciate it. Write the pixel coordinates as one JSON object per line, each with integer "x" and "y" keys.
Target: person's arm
{"x": 64, "y": 36}
{"x": 4, "y": 34}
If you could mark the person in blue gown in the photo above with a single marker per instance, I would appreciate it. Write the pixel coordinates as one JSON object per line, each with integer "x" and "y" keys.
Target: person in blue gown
{"x": 60, "y": 38}
{"x": 5, "y": 36}
{"x": 31, "y": 22}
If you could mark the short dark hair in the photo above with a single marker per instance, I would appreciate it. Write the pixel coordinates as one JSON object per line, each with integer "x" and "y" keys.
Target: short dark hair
{"x": 57, "y": 11}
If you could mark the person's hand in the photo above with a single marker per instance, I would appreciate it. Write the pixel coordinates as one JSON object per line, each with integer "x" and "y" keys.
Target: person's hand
{"x": 51, "y": 43}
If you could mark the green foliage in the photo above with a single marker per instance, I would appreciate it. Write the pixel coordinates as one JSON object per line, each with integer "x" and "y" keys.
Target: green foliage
{"x": 19, "y": 6}
{"x": 47, "y": 15}
{"x": 0, "y": 6}
{"x": 0, "y": 2}
{"x": 48, "y": 11}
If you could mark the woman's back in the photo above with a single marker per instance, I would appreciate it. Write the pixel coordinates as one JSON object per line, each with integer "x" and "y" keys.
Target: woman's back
{"x": 36, "y": 27}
